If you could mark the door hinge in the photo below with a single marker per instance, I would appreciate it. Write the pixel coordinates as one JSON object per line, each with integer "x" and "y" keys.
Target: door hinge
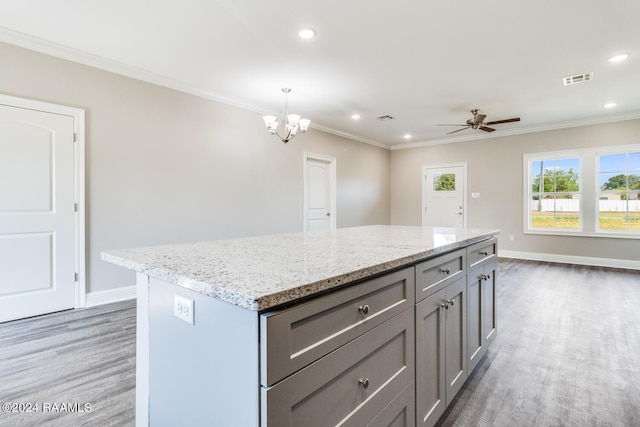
{"x": 75, "y": 137}
{"x": 75, "y": 277}
{"x": 75, "y": 207}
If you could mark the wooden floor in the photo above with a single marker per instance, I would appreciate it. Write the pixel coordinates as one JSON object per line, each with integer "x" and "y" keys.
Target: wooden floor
{"x": 73, "y": 357}
{"x": 567, "y": 351}
{"x": 567, "y": 354}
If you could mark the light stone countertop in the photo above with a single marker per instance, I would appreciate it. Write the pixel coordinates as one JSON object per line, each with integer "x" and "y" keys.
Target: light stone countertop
{"x": 258, "y": 273}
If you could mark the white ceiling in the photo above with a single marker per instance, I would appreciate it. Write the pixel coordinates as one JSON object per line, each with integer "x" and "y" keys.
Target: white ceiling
{"x": 422, "y": 62}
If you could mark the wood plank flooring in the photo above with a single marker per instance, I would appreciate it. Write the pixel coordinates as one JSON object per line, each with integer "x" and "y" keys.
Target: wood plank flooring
{"x": 567, "y": 351}
{"x": 567, "y": 354}
{"x": 78, "y": 356}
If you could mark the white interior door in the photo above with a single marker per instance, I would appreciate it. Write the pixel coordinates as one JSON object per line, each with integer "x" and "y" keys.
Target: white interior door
{"x": 319, "y": 197}
{"x": 37, "y": 223}
{"x": 444, "y": 196}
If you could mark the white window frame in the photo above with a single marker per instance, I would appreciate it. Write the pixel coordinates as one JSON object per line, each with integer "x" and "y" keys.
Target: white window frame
{"x": 528, "y": 161}
{"x": 609, "y": 152}
{"x": 589, "y": 192}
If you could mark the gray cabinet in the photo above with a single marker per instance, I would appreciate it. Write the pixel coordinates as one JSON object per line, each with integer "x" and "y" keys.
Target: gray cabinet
{"x": 481, "y": 299}
{"x": 441, "y": 353}
{"x": 384, "y": 351}
{"x": 455, "y": 323}
{"x": 481, "y": 311}
{"x": 351, "y": 351}
{"x": 294, "y": 337}
{"x": 436, "y": 273}
{"x": 349, "y": 386}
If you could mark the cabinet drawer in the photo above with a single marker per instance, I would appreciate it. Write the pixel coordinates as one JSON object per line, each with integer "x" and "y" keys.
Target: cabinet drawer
{"x": 481, "y": 252}
{"x": 292, "y": 338}
{"x": 350, "y": 385}
{"x": 434, "y": 274}
{"x": 401, "y": 412}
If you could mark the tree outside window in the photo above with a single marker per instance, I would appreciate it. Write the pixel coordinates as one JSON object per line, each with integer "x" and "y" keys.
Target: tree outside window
{"x": 555, "y": 194}
{"x": 619, "y": 192}
{"x": 444, "y": 182}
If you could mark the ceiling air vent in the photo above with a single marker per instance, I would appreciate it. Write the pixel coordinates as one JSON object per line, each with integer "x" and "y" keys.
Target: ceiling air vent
{"x": 384, "y": 118}
{"x": 578, "y": 78}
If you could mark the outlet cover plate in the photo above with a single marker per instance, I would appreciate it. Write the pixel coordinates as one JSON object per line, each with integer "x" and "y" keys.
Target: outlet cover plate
{"x": 183, "y": 308}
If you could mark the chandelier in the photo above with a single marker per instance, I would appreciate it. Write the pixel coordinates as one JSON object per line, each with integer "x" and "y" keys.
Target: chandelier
{"x": 292, "y": 123}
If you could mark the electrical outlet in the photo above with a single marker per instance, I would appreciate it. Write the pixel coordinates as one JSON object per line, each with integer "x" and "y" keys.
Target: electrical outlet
{"x": 183, "y": 308}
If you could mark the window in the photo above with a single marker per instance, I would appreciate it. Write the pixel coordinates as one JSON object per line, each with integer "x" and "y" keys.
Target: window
{"x": 444, "y": 182}
{"x": 589, "y": 192}
{"x": 555, "y": 194}
{"x": 619, "y": 189}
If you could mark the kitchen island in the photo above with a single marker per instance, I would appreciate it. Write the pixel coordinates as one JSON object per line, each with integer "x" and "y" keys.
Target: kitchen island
{"x": 270, "y": 330}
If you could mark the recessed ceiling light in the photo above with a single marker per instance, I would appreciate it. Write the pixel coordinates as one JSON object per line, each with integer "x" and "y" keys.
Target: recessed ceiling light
{"x": 618, "y": 58}
{"x": 307, "y": 33}
{"x": 407, "y": 136}
{"x": 355, "y": 116}
{"x": 610, "y": 105}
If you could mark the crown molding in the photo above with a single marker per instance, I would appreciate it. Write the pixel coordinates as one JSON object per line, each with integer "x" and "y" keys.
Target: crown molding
{"x": 81, "y": 57}
{"x": 349, "y": 136}
{"x": 524, "y": 130}
{"x": 74, "y": 55}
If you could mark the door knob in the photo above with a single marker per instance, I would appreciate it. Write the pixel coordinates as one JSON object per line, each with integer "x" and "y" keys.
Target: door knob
{"x": 328, "y": 214}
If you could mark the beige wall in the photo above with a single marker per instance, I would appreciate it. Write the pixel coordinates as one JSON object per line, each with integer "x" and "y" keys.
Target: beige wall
{"x": 495, "y": 171}
{"x": 167, "y": 167}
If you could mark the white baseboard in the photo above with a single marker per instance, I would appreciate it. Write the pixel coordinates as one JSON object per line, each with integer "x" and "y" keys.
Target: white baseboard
{"x": 569, "y": 259}
{"x": 110, "y": 295}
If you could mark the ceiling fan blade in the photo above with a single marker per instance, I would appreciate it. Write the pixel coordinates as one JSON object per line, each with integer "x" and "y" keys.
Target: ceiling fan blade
{"x": 453, "y": 125}
{"x": 486, "y": 129}
{"x": 458, "y": 130}
{"x": 497, "y": 122}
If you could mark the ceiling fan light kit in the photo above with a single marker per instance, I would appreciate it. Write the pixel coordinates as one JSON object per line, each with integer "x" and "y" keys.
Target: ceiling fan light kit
{"x": 477, "y": 122}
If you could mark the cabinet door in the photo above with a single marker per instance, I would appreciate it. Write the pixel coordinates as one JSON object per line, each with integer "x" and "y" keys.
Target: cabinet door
{"x": 481, "y": 312}
{"x": 489, "y": 314}
{"x": 475, "y": 349}
{"x": 430, "y": 359}
{"x": 456, "y": 337}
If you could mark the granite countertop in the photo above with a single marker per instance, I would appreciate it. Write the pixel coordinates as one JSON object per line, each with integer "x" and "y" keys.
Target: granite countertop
{"x": 258, "y": 273}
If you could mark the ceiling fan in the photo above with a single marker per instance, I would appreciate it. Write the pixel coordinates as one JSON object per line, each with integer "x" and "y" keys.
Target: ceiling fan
{"x": 477, "y": 122}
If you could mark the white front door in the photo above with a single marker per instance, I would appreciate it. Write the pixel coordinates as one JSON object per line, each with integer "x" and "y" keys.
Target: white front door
{"x": 37, "y": 219}
{"x": 319, "y": 193}
{"x": 444, "y": 196}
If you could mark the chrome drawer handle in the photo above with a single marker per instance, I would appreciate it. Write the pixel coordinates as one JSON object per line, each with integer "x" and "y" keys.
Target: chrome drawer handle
{"x": 364, "y": 309}
{"x": 446, "y": 270}
{"x": 446, "y": 304}
{"x": 364, "y": 383}
{"x": 485, "y": 253}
